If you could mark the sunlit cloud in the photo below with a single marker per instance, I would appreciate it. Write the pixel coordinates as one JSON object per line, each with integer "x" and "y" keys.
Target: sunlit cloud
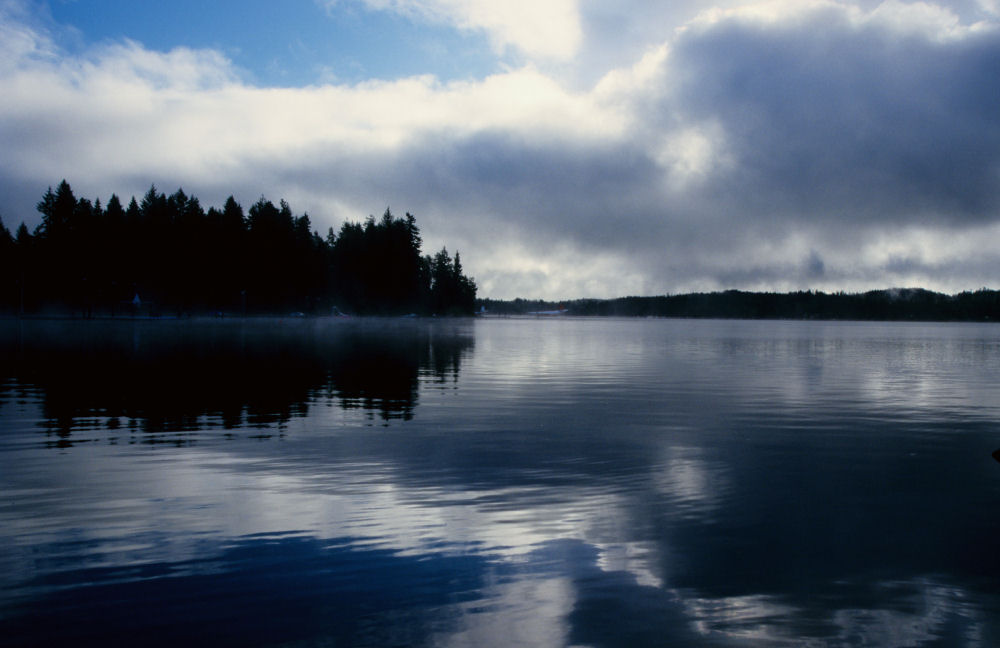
{"x": 547, "y": 29}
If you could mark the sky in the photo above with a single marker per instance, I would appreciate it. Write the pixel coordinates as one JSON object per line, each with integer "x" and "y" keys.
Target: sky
{"x": 567, "y": 148}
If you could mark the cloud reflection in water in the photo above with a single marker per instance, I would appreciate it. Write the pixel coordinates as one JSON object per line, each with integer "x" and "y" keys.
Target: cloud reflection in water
{"x": 714, "y": 482}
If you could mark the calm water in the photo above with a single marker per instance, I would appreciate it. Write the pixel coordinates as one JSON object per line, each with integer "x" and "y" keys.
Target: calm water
{"x": 499, "y": 482}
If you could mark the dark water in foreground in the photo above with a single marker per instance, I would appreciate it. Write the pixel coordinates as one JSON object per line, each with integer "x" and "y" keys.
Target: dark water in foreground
{"x": 499, "y": 482}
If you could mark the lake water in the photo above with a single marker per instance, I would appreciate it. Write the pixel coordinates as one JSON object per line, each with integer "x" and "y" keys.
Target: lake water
{"x": 550, "y": 482}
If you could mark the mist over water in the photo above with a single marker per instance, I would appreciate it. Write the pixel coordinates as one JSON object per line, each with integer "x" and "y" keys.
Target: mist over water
{"x": 592, "y": 482}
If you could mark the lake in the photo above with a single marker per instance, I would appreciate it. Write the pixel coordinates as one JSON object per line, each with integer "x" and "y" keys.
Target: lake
{"x": 496, "y": 482}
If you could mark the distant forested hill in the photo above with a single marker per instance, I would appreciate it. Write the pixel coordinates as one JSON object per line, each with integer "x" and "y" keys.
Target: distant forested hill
{"x": 892, "y": 304}
{"x": 167, "y": 255}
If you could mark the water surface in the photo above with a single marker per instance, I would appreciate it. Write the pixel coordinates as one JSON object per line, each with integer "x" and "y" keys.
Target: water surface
{"x": 546, "y": 482}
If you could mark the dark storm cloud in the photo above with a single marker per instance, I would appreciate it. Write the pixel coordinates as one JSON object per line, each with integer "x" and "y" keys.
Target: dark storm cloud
{"x": 835, "y": 132}
{"x": 850, "y": 124}
{"x": 588, "y": 193}
{"x": 555, "y": 190}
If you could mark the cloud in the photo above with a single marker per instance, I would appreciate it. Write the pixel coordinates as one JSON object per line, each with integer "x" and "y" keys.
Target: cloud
{"x": 861, "y": 119}
{"x": 771, "y": 146}
{"x": 548, "y": 29}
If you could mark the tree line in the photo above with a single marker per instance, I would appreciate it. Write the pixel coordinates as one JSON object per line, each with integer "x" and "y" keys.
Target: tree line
{"x": 167, "y": 255}
{"x": 892, "y": 304}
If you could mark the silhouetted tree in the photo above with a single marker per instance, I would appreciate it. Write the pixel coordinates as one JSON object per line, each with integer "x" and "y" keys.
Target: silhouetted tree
{"x": 176, "y": 257}
{"x": 24, "y": 267}
{"x": 8, "y": 270}
{"x": 451, "y": 292}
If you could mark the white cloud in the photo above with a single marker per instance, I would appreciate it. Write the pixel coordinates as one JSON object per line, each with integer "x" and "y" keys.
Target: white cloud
{"x": 692, "y": 154}
{"x": 183, "y": 117}
{"x": 549, "y": 29}
{"x": 990, "y": 7}
{"x": 18, "y": 40}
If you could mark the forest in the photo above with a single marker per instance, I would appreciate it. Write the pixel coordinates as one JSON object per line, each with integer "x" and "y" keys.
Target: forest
{"x": 891, "y": 304}
{"x": 167, "y": 256}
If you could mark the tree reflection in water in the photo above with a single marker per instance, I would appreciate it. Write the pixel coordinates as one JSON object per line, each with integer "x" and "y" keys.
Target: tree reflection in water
{"x": 169, "y": 381}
